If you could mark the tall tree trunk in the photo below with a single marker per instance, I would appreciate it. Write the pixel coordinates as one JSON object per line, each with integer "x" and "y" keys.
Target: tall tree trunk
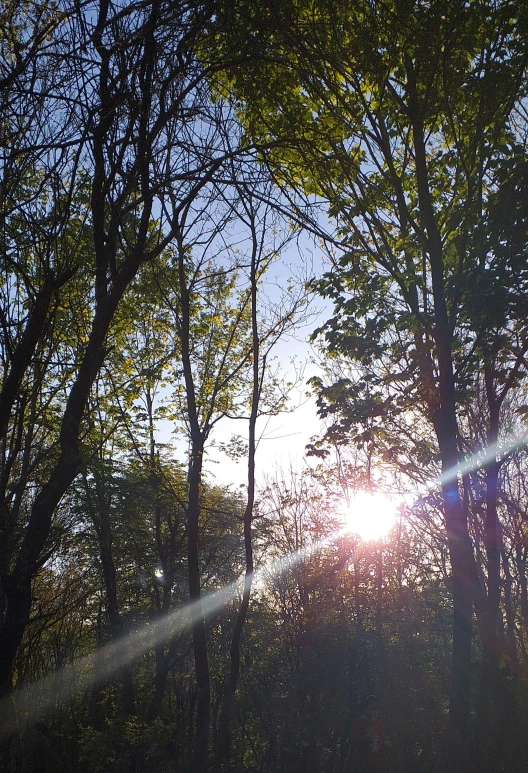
{"x": 465, "y": 584}
{"x": 18, "y": 583}
{"x": 222, "y": 736}
{"x": 198, "y": 437}
{"x": 464, "y": 578}
{"x": 203, "y": 695}
{"x": 109, "y": 285}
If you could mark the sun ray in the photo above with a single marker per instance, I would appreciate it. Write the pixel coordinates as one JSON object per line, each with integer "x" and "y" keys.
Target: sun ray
{"x": 36, "y": 700}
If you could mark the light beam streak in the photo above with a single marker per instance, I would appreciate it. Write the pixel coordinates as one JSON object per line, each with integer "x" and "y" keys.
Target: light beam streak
{"x": 483, "y": 457}
{"x": 479, "y": 459}
{"x": 36, "y": 700}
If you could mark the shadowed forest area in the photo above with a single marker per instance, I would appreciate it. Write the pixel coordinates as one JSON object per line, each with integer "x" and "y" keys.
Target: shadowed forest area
{"x": 182, "y": 182}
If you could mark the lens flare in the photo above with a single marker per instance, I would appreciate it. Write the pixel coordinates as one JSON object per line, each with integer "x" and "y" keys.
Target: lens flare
{"x": 371, "y": 515}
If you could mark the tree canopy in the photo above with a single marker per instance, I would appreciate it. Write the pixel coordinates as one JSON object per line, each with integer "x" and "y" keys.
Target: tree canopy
{"x": 158, "y": 162}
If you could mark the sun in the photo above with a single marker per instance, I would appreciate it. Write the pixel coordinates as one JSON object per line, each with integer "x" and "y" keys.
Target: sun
{"x": 371, "y": 515}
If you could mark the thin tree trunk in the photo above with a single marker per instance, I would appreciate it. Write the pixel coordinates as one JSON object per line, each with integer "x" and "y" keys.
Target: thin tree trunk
{"x": 203, "y": 694}
{"x": 382, "y": 654}
{"x": 509, "y": 610}
{"x": 161, "y": 659}
{"x": 101, "y": 520}
{"x": 489, "y": 677}
{"x": 160, "y": 680}
{"x": 222, "y": 737}
{"x": 194, "y": 481}
{"x": 491, "y": 645}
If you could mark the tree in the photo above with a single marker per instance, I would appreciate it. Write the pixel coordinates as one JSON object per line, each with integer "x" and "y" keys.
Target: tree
{"x": 225, "y": 340}
{"x": 267, "y": 327}
{"x": 403, "y": 117}
{"x": 129, "y": 89}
